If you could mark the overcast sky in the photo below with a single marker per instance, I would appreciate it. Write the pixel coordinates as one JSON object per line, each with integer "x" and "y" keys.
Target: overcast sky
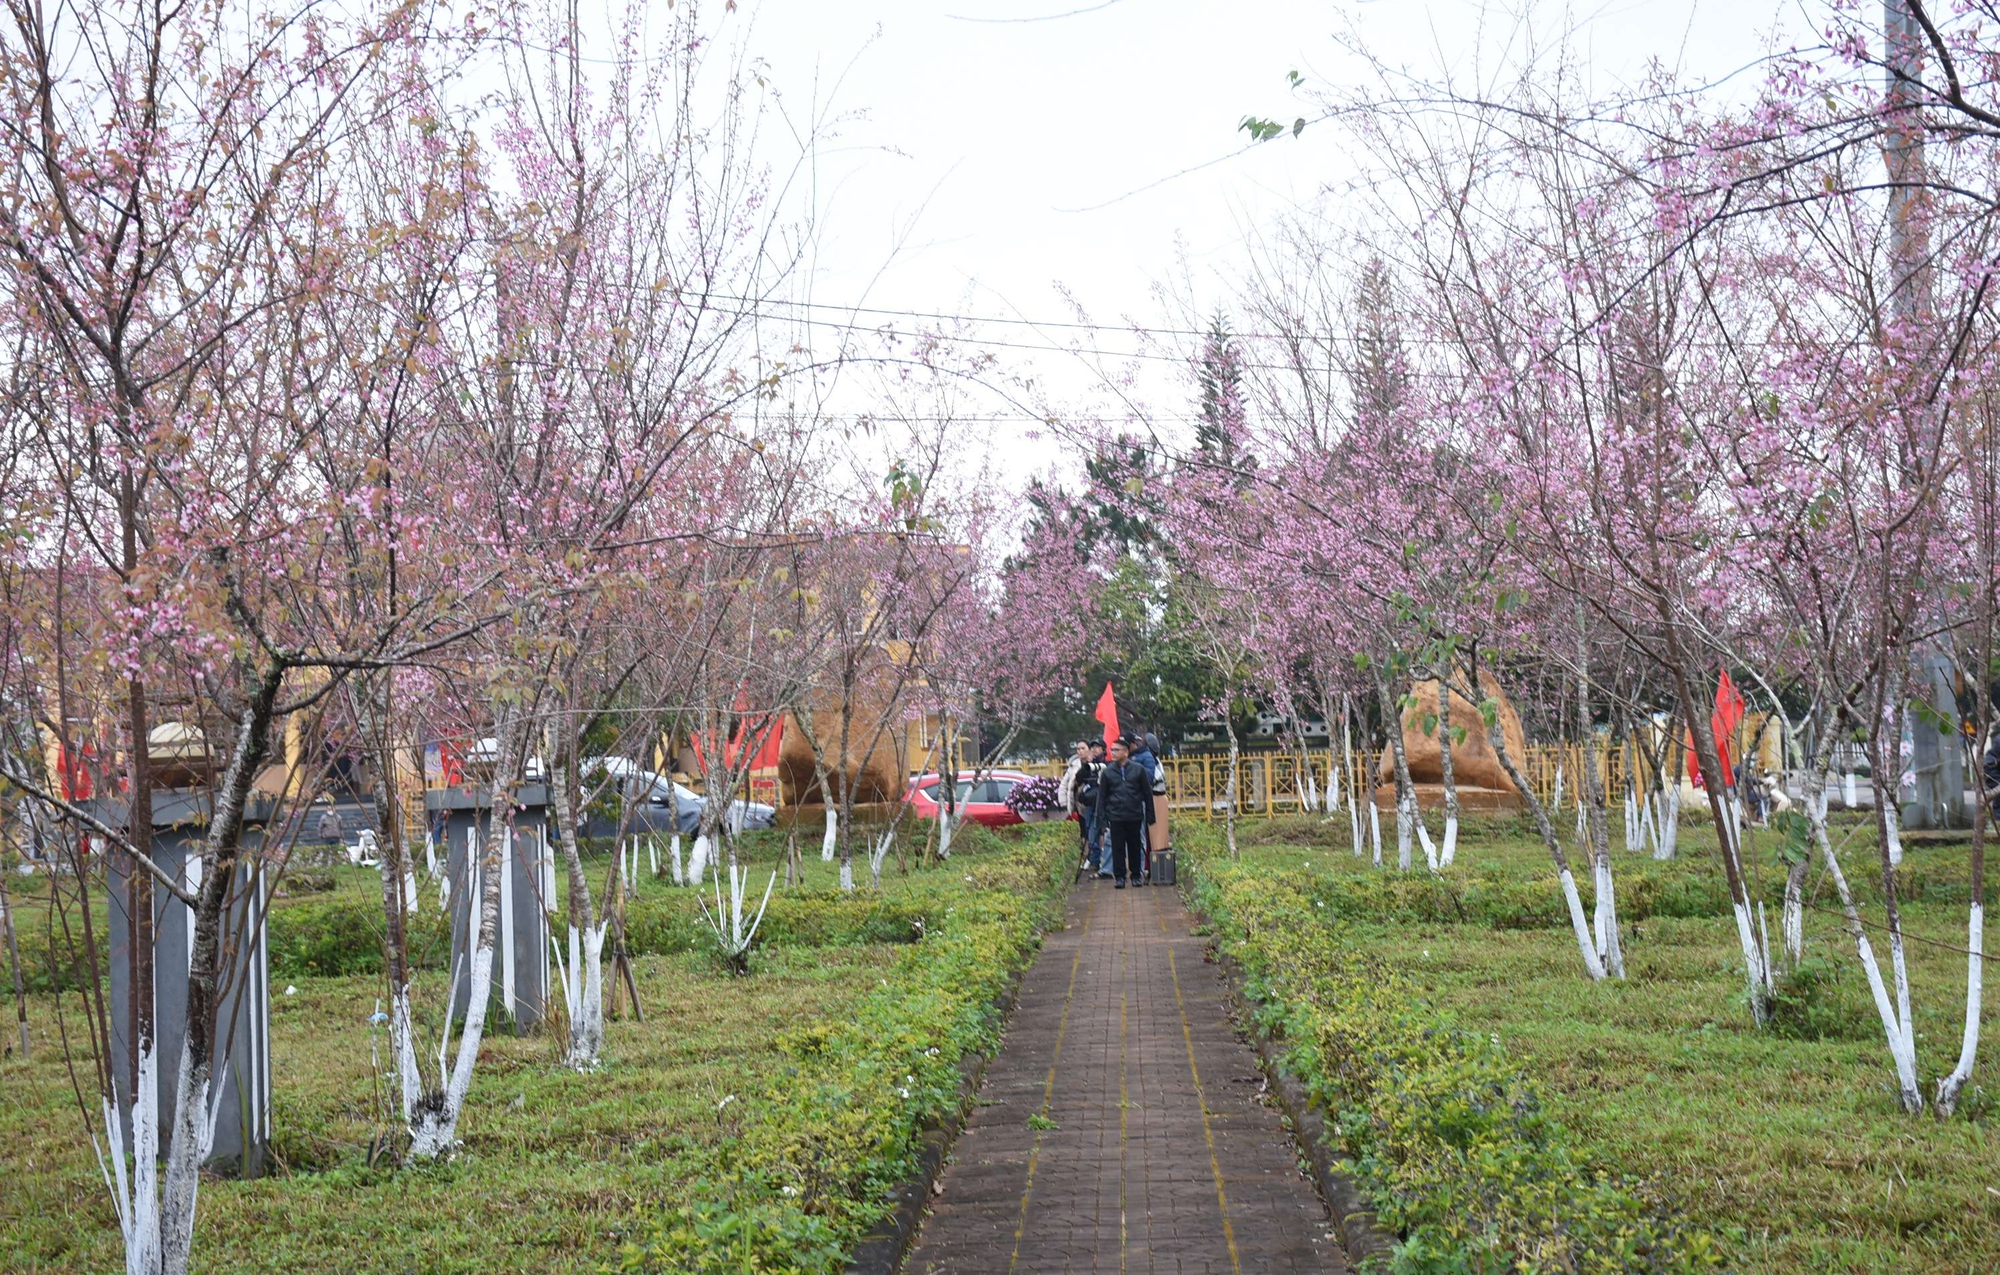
{"x": 1006, "y": 152}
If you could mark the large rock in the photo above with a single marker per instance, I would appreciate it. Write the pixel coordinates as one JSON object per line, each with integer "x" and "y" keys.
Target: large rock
{"x": 880, "y": 776}
{"x": 1473, "y": 761}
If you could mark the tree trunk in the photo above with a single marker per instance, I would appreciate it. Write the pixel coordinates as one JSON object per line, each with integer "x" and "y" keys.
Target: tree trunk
{"x": 1948, "y": 1089}
{"x": 1346, "y": 779}
{"x": 1886, "y": 755}
{"x": 1756, "y": 960}
{"x": 1901, "y": 1041}
{"x": 1408, "y": 817}
{"x": 369, "y": 699}
{"x": 434, "y": 1131}
{"x": 1813, "y": 794}
{"x": 1497, "y": 737}
{"x": 193, "y": 1128}
{"x": 1597, "y": 820}
{"x": 1232, "y": 786}
{"x": 583, "y": 980}
{"x": 14, "y": 961}
{"x": 1448, "y": 850}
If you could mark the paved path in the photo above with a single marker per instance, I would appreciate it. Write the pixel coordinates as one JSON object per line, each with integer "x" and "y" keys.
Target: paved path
{"x": 1160, "y": 1158}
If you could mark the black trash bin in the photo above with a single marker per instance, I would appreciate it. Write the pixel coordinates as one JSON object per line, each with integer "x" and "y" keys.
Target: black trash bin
{"x": 1163, "y": 866}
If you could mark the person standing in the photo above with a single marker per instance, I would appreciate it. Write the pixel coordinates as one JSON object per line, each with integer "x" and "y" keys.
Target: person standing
{"x": 1146, "y": 752}
{"x": 1099, "y": 850}
{"x": 1125, "y": 807}
{"x": 1079, "y": 793}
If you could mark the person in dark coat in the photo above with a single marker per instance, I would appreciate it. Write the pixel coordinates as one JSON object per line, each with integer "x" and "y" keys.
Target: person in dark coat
{"x": 1125, "y": 806}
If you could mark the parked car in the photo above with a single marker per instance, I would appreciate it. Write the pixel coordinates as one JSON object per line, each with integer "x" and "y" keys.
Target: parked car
{"x": 658, "y": 798}
{"x": 983, "y": 801}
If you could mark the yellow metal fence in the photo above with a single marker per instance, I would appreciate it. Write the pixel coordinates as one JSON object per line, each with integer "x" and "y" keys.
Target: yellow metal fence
{"x": 1271, "y": 784}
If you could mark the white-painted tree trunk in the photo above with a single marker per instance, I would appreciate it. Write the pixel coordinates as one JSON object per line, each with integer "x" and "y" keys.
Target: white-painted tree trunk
{"x": 1850, "y": 793}
{"x": 433, "y": 1125}
{"x": 1405, "y": 818}
{"x": 847, "y": 875}
{"x": 583, "y": 993}
{"x": 879, "y": 853}
{"x": 1234, "y": 785}
{"x": 1423, "y": 835}
{"x": 1792, "y": 921}
{"x": 677, "y": 873}
{"x": 1447, "y": 848}
{"x": 945, "y": 824}
{"x": 1668, "y": 842}
{"x": 1896, "y": 1029}
{"x": 698, "y": 859}
{"x": 1586, "y": 946}
{"x": 1949, "y": 1088}
{"x": 831, "y": 842}
{"x": 1375, "y": 829}
{"x": 135, "y": 1196}
{"x": 1892, "y": 823}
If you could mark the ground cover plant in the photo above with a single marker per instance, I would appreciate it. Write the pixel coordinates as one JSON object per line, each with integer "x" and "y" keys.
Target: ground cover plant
{"x": 748, "y": 1122}
{"x": 1505, "y": 1113}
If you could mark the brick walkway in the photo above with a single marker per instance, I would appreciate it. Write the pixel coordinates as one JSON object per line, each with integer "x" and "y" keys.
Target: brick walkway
{"x": 1160, "y": 1158}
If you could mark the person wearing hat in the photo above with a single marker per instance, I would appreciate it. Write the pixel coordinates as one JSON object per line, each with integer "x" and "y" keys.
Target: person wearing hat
{"x": 1146, "y": 752}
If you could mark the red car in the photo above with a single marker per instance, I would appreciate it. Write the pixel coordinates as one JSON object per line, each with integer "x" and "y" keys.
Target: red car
{"x": 984, "y": 802}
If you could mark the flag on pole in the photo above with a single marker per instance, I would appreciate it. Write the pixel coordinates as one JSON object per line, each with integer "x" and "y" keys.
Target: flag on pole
{"x": 1728, "y": 715}
{"x": 1107, "y": 713}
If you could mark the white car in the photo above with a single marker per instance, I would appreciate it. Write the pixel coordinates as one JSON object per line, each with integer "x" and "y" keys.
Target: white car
{"x": 662, "y": 804}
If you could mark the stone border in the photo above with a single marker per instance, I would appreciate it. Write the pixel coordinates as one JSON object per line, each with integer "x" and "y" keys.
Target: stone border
{"x": 882, "y": 1250}
{"x": 1368, "y": 1247}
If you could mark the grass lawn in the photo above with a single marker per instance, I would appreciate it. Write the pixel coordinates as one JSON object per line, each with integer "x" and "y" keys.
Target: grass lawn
{"x": 710, "y": 1100}
{"x": 1787, "y": 1146}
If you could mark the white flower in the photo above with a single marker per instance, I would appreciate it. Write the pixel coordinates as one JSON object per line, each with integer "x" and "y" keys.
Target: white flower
{"x": 290, "y": 990}
{"x": 904, "y": 1092}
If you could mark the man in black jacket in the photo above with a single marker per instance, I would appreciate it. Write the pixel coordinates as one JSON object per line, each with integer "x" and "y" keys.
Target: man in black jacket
{"x": 1125, "y": 806}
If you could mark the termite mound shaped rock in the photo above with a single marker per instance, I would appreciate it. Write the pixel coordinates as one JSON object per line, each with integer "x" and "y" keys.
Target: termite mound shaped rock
{"x": 1474, "y": 764}
{"x": 876, "y": 776}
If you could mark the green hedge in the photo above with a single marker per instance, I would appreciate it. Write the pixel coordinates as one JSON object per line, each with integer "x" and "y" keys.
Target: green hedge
{"x": 1454, "y": 1146}
{"x": 340, "y": 935}
{"x": 801, "y": 1184}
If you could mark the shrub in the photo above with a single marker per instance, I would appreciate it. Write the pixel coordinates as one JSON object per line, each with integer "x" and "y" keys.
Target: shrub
{"x": 1040, "y": 793}
{"x": 818, "y": 1147}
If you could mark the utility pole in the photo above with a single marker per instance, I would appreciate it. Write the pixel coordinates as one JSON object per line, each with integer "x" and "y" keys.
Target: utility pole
{"x": 1936, "y": 756}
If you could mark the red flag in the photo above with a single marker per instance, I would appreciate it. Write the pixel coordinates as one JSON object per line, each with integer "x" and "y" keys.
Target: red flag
{"x": 1728, "y": 715}
{"x": 1107, "y": 712}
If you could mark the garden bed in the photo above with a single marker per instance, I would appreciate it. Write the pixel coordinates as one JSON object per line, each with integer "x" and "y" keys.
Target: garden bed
{"x": 1502, "y": 1113}
{"x": 767, "y": 1116}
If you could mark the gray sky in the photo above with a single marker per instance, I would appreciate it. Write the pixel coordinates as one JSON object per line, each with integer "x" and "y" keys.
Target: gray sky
{"x": 997, "y": 161}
